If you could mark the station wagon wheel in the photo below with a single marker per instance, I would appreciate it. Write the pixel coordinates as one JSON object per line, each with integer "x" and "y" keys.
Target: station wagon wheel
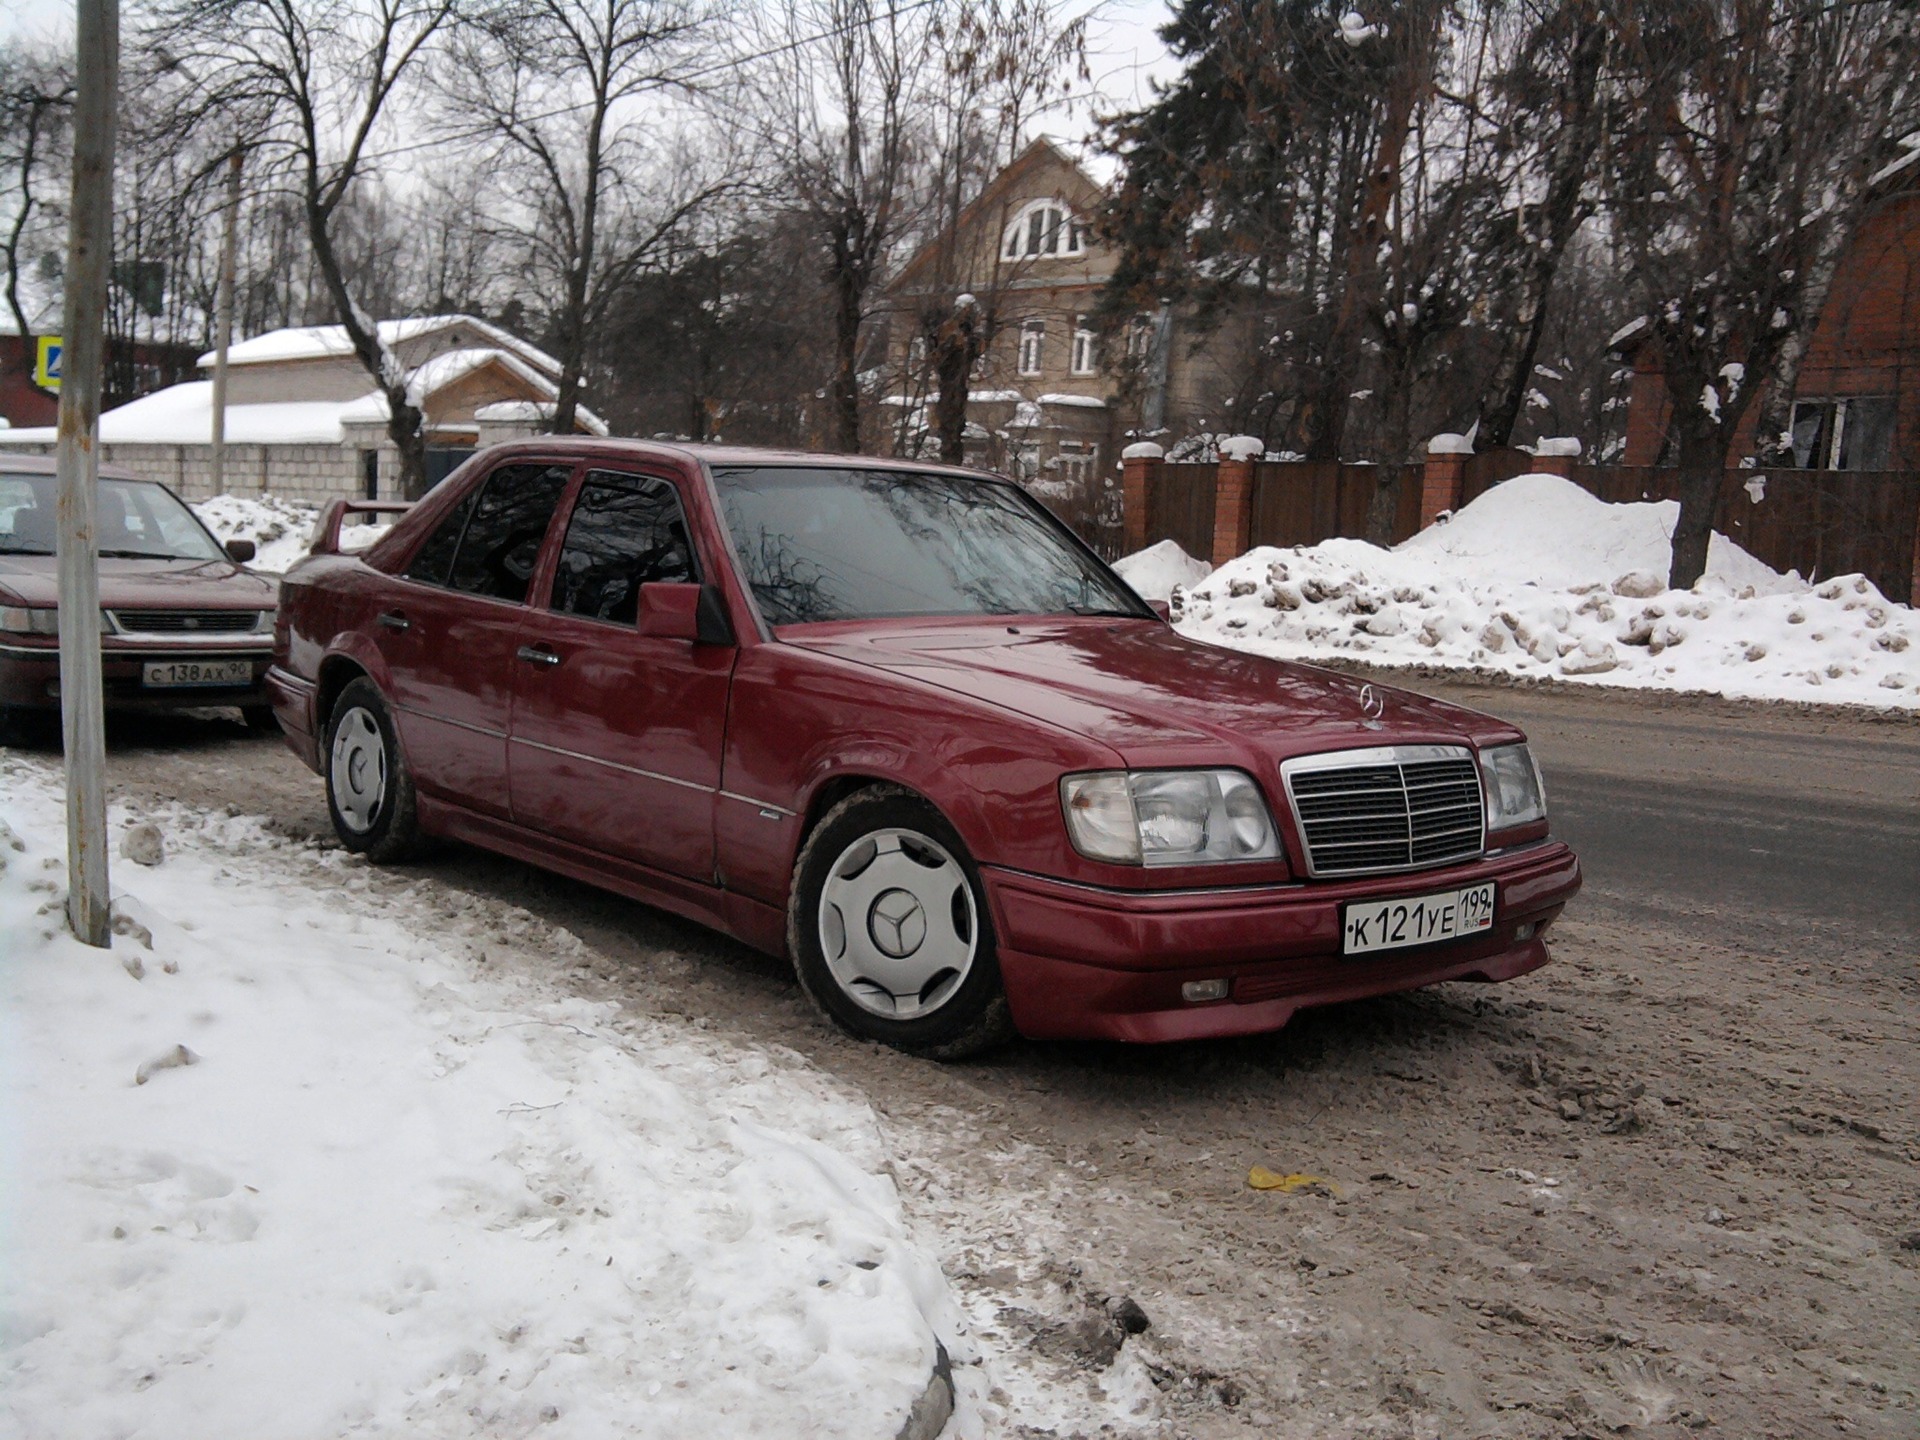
{"x": 889, "y": 930}
{"x": 369, "y": 790}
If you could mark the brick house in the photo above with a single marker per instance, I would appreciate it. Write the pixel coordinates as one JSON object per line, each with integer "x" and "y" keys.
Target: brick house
{"x": 1857, "y": 404}
{"x": 1051, "y": 401}
{"x": 303, "y": 420}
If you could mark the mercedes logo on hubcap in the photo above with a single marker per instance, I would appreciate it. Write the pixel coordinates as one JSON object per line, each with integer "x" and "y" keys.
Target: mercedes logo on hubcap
{"x": 897, "y": 923}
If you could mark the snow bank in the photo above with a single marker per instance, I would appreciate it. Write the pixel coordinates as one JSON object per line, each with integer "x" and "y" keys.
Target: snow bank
{"x": 1539, "y": 578}
{"x": 280, "y": 529}
{"x": 1155, "y": 571}
{"x": 371, "y": 1184}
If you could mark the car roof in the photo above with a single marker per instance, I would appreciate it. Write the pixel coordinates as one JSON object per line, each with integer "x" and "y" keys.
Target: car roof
{"x": 613, "y": 446}
{"x": 49, "y": 465}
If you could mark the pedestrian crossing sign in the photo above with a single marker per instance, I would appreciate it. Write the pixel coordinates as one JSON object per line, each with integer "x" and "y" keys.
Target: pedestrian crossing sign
{"x": 46, "y": 367}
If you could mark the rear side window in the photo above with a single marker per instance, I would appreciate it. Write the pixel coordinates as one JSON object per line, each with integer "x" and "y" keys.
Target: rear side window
{"x": 626, "y": 531}
{"x": 501, "y": 545}
{"x": 433, "y": 560}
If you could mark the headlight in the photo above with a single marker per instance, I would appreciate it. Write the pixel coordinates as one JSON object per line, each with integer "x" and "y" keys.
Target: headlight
{"x": 1168, "y": 817}
{"x": 25, "y": 620}
{"x": 1515, "y": 795}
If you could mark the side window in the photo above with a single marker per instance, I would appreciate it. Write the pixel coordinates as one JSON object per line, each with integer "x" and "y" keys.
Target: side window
{"x": 434, "y": 559}
{"x": 502, "y": 542}
{"x": 626, "y": 531}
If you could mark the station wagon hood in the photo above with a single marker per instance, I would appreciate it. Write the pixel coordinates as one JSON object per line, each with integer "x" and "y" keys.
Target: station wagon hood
{"x": 1148, "y": 692}
{"x": 142, "y": 584}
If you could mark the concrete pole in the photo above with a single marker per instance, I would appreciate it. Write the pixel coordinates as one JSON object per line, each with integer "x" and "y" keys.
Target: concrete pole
{"x": 83, "y": 339}
{"x": 223, "y": 326}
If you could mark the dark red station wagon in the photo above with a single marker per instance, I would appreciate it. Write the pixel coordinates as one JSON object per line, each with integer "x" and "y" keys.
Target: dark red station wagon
{"x": 896, "y": 722}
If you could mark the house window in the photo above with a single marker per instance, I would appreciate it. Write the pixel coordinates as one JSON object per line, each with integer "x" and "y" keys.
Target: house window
{"x": 1139, "y": 337}
{"x": 1044, "y": 228}
{"x": 1078, "y": 463}
{"x": 1033, "y": 336}
{"x": 1851, "y": 434}
{"x": 1085, "y": 346}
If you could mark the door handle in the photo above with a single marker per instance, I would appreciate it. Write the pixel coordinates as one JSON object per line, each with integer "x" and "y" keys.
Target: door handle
{"x": 538, "y": 655}
{"x": 394, "y": 620}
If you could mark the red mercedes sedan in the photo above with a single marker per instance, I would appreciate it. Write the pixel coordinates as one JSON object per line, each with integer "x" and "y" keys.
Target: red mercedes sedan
{"x": 896, "y": 722}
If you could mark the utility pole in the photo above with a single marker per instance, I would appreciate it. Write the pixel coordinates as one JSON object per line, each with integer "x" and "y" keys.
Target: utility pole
{"x": 223, "y": 325}
{"x": 89, "y": 251}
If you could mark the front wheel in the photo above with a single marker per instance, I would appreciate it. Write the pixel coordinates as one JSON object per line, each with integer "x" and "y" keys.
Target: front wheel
{"x": 889, "y": 929}
{"x": 369, "y": 789}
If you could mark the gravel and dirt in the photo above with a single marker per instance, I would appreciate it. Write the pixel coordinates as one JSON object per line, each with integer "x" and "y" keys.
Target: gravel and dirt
{"x": 1669, "y": 1185}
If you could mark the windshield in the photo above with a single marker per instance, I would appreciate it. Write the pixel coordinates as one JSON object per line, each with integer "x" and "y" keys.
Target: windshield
{"x": 138, "y": 520}
{"x": 829, "y": 544}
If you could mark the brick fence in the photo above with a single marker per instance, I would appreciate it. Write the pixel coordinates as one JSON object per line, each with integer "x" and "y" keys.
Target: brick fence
{"x": 1819, "y": 522}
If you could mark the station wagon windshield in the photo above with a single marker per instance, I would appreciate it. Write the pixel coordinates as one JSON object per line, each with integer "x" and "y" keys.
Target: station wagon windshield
{"x": 827, "y": 544}
{"x": 136, "y": 521}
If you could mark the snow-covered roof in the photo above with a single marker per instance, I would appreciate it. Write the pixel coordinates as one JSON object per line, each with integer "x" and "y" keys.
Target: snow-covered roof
{"x": 183, "y": 414}
{"x": 328, "y": 342}
{"x": 1084, "y": 402}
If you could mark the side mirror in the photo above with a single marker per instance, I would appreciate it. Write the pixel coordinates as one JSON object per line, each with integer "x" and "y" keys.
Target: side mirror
{"x": 1161, "y": 608}
{"x": 678, "y": 611}
{"x": 240, "y": 551}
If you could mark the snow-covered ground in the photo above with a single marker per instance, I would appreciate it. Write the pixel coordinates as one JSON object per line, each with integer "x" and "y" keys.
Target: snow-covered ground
{"x": 280, "y": 529}
{"x": 1538, "y": 578}
{"x": 296, "y": 1158}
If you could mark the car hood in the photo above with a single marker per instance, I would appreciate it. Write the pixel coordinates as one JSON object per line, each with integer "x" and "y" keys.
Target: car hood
{"x": 151, "y": 584}
{"x": 1148, "y": 692}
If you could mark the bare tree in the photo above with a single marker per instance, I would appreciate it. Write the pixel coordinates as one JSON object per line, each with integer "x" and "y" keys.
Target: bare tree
{"x": 36, "y": 109}
{"x": 1001, "y": 64}
{"x": 310, "y": 80}
{"x": 838, "y": 87}
{"x": 560, "y": 91}
{"x": 1744, "y": 137}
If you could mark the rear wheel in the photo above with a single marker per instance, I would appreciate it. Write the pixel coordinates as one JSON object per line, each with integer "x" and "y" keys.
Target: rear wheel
{"x": 889, "y": 929}
{"x": 369, "y": 789}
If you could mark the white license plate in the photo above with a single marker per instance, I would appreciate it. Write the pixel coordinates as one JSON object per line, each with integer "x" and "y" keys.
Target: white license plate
{"x": 1417, "y": 920}
{"x": 168, "y": 674}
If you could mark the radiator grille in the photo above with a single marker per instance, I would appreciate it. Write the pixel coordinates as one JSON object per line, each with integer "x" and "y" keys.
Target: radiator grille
{"x": 1392, "y": 808}
{"x": 186, "y": 622}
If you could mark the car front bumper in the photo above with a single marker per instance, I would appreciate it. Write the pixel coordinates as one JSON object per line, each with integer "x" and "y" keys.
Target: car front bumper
{"x": 30, "y": 677}
{"x": 1085, "y": 963}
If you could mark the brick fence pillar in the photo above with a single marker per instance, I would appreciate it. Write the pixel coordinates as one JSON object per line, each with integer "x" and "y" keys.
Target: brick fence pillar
{"x": 1556, "y": 457}
{"x": 1139, "y": 464}
{"x": 1233, "y": 497}
{"x": 1446, "y": 470}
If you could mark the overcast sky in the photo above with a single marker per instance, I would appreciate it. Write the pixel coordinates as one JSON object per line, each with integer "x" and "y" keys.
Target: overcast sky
{"x": 1124, "y": 53}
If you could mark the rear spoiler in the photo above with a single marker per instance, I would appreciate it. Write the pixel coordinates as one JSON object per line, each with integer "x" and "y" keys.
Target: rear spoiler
{"x": 326, "y": 534}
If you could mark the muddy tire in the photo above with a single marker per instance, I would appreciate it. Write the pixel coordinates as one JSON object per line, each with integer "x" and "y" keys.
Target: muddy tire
{"x": 369, "y": 788}
{"x": 889, "y": 931}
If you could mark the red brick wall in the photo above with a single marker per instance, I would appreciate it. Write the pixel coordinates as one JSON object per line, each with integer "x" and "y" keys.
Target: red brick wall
{"x": 21, "y": 401}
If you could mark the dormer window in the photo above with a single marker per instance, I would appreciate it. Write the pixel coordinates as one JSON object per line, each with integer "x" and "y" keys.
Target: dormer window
{"x": 1044, "y": 229}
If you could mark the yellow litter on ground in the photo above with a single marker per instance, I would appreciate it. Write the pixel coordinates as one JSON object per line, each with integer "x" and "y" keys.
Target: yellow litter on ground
{"x": 1261, "y": 1178}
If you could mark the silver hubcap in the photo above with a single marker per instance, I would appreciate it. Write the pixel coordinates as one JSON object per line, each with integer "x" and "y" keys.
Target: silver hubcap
{"x": 897, "y": 924}
{"x": 358, "y": 772}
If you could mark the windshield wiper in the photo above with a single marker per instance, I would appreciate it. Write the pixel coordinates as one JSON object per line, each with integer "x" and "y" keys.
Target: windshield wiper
{"x": 1124, "y": 614}
{"x": 145, "y": 555}
{"x": 14, "y": 550}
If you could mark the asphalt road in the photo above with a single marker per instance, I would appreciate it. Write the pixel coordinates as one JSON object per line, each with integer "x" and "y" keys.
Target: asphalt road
{"x": 1766, "y": 828}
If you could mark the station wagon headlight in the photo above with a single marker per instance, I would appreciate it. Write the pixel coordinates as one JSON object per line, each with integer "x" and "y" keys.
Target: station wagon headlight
{"x": 1168, "y": 817}
{"x": 29, "y": 620}
{"x": 1515, "y": 794}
